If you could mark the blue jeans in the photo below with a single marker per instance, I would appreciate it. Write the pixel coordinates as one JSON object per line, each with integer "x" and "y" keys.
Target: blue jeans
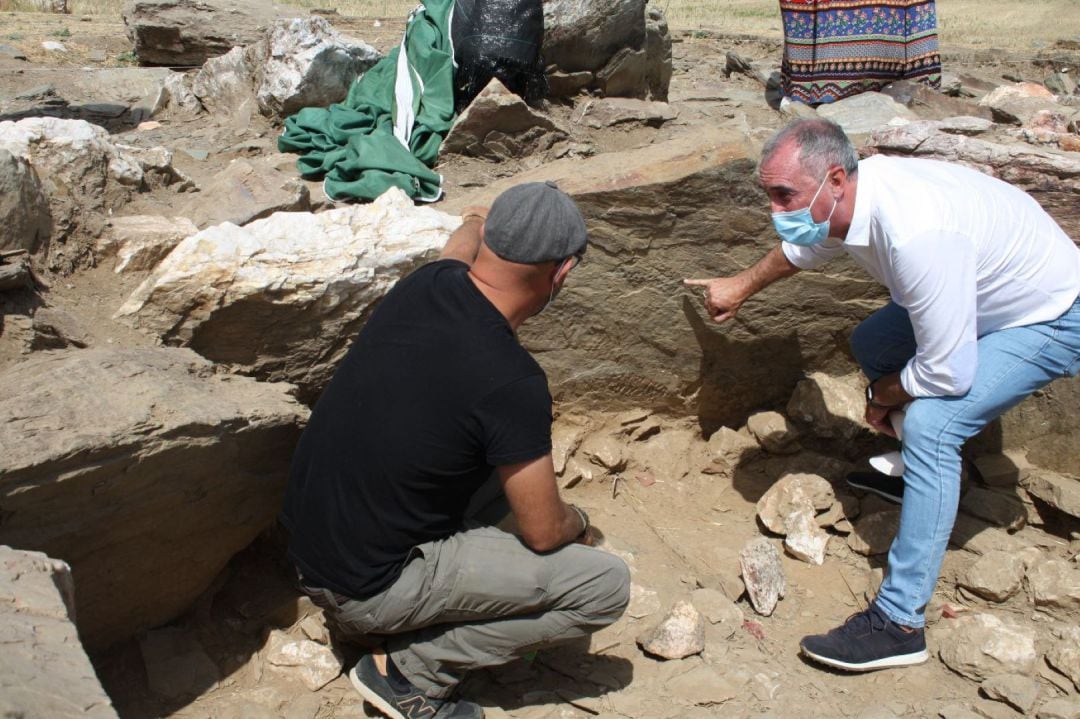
{"x": 1013, "y": 363}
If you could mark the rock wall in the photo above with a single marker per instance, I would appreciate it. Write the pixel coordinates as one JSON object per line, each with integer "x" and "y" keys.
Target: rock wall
{"x": 625, "y": 332}
{"x": 143, "y": 470}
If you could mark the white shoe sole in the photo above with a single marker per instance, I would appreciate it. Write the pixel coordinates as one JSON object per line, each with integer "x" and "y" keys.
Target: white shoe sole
{"x": 372, "y": 697}
{"x": 899, "y": 660}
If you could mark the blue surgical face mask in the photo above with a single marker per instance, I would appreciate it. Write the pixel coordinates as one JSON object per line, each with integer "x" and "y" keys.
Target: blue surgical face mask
{"x": 798, "y": 226}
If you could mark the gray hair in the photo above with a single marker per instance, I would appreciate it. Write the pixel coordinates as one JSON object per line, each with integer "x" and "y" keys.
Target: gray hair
{"x": 821, "y": 143}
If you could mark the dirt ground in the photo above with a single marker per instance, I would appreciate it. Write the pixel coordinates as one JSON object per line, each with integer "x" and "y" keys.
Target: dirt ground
{"x": 678, "y": 531}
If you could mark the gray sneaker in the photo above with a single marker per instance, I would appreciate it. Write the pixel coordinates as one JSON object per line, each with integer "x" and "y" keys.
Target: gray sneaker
{"x": 413, "y": 704}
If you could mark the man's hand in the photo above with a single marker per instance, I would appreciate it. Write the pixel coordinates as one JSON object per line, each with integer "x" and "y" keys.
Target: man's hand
{"x": 878, "y": 418}
{"x": 723, "y": 296}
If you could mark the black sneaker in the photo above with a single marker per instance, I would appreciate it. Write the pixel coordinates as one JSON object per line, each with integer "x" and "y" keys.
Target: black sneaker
{"x": 867, "y": 641}
{"x": 412, "y": 704}
{"x": 884, "y": 486}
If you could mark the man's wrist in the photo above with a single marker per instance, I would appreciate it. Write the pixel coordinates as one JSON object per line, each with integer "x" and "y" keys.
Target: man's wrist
{"x": 472, "y": 216}
{"x": 873, "y": 400}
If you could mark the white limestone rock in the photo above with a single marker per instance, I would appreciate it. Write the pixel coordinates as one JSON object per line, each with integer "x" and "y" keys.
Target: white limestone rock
{"x": 308, "y": 63}
{"x": 139, "y": 242}
{"x": 282, "y": 297}
{"x": 315, "y": 664}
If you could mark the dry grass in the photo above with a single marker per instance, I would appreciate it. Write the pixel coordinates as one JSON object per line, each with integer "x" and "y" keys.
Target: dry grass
{"x": 980, "y": 24}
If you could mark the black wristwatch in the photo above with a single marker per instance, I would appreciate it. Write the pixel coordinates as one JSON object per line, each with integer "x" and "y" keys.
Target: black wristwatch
{"x": 870, "y": 398}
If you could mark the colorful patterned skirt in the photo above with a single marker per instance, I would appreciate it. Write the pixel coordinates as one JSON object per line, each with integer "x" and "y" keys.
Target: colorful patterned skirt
{"x": 838, "y": 48}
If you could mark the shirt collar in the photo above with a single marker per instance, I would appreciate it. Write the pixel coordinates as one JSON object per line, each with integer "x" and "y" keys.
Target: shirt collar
{"x": 858, "y": 234}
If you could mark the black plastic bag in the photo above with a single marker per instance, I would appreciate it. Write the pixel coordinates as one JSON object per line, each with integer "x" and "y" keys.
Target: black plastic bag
{"x": 498, "y": 38}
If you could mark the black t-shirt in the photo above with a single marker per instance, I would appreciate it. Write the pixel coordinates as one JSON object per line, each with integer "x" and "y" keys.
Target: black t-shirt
{"x": 434, "y": 393}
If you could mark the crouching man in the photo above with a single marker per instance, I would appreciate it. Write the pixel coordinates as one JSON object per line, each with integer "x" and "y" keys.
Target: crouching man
{"x": 984, "y": 312}
{"x": 436, "y": 416}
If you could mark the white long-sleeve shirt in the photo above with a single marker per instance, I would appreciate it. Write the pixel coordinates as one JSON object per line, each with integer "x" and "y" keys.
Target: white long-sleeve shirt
{"x": 964, "y": 253}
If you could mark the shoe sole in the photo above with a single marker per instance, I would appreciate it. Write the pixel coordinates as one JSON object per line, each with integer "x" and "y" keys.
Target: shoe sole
{"x": 373, "y": 698}
{"x": 874, "y": 490}
{"x": 899, "y": 660}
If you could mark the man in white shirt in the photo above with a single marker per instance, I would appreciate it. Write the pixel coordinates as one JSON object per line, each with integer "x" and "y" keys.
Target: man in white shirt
{"x": 984, "y": 311}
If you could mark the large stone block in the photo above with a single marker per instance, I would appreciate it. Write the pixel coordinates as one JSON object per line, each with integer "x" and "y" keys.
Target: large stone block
{"x": 143, "y": 470}
{"x": 625, "y": 332}
{"x": 282, "y": 297}
{"x": 44, "y": 671}
{"x": 188, "y": 32}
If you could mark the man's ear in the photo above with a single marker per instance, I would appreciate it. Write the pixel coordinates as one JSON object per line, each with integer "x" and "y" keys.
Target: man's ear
{"x": 561, "y": 271}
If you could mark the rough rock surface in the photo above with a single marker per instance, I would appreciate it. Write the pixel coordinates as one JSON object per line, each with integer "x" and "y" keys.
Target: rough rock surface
{"x": 171, "y": 471}
{"x": 865, "y": 112}
{"x": 998, "y": 508}
{"x": 1054, "y": 489}
{"x": 225, "y": 85}
{"x": 995, "y": 576}
{"x": 791, "y": 495}
{"x": 648, "y": 217}
{"x": 498, "y": 125}
{"x": 873, "y": 533}
{"x": 24, "y": 209}
{"x": 763, "y": 574}
{"x": 680, "y": 634}
{"x": 1064, "y": 653}
{"x": 1055, "y": 586}
{"x": 830, "y": 407}
{"x": 44, "y": 671}
{"x": 316, "y": 665}
{"x": 729, "y": 447}
{"x": 282, "y": 297}
{"x": 84, "y": 174}
{"x": 189, "y": 32}
{"x": 139, "y": 242}
{"x": 584, "y": 35}
{"x": 1018, "y": 692}
{"x": 244, "y": 191}
{"x": 979, "y": 646}
{"x": 773, "y": 432}
{"x": 308, "y": 64}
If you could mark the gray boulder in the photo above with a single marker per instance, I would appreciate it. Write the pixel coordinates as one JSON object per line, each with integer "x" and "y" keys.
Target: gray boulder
{"x": 189, "y": 32}
{"x": 25, "y": 223}
{"x": 143, "y": 470}
{"x": 624, "y": 45}
{"x": 44, "y": 671}
{"x": 499, "y": 125}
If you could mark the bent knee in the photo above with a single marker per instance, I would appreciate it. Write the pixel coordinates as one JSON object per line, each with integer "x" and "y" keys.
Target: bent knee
{"x": 611, "y": 591}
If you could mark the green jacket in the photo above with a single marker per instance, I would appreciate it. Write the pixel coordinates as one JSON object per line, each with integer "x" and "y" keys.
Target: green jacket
{"x": 388, "y": 130}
